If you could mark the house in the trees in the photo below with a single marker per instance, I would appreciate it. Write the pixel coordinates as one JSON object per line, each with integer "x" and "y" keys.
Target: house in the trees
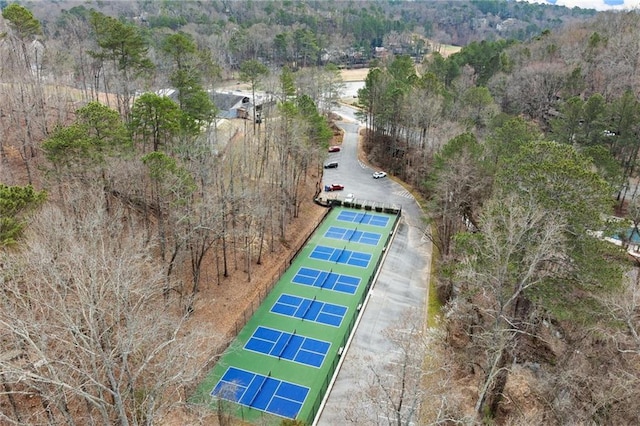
{"x": 239, "y": 104}
{"x": 230, "y": 104}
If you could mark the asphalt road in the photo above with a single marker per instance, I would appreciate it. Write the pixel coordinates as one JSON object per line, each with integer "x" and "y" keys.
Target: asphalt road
{"x": 402, "y": 282}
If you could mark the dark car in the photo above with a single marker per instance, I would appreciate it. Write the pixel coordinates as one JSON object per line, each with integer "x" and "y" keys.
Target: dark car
{"x": 331, "y": 165}
{"x": 334, "y": 148}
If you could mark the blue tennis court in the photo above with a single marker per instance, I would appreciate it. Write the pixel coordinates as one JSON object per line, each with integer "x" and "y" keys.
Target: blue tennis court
{"x": 364, "y": 218}
{"x": 289, "y": 346}
{"x": 328, "y": 280}
{"x": 263, "y": 393}
{"x": 353, "y": 235}
{"x": 309, "y": 309}
{"x": 338, "y": 255}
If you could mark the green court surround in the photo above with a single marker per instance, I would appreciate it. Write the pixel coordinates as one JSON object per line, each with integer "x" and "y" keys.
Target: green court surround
{"x": 316, "y": 379}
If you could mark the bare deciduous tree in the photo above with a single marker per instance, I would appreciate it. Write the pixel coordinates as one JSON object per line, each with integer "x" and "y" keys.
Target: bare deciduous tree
{"x": 533, "y": 90}
{"x": 519, "y": 247}
{"x": 83, "y": 306}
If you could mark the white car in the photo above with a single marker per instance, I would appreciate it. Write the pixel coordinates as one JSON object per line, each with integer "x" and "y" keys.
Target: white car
{"x": 378, "y": 175}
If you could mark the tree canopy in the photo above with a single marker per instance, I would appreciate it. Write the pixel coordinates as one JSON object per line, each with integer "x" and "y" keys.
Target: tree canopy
{"x": 16, "y": 204}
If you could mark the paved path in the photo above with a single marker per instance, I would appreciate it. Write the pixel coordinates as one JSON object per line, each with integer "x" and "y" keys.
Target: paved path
{"x": 402, "y": 284}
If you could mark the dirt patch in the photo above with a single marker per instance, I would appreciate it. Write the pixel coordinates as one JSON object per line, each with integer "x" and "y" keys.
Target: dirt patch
{"x": 347, "y": 76}
{"x": 224, "y": 303}
{"x": 446, "y": 49}
{"x": 354, "y": 75}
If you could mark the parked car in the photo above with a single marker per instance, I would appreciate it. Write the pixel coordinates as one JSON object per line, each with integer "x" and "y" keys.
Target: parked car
{"x": 334, "y": 187}
{"x": 331, "y": 165}
{"x": 378, "y": 175}
{"x": 334, "y": 148}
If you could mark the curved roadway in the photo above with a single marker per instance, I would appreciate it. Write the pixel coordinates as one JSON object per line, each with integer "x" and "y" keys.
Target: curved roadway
{"x": 402, "y": 282}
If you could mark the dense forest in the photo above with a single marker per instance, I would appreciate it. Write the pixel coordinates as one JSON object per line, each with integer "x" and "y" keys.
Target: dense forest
{"x": 524, "y": 151}
{"x": 116, "y": 197}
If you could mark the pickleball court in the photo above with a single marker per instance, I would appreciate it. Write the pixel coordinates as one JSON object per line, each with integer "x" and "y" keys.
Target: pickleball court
{"x": 263, "y": 393}
{"x": 341, "y": 255}
{"x": 309, "y": 309}
{"x": 353, "y": 235}
{"x": 327, "y": 280}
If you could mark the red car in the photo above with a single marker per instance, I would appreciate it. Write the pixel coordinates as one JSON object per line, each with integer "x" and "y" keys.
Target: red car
{"x": 334, "y": 148}
{"x": 334, "y": 187}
